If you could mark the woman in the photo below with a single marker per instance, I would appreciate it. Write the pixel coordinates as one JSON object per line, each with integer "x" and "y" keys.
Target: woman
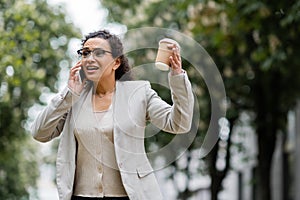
{"x": 102, "y": 120}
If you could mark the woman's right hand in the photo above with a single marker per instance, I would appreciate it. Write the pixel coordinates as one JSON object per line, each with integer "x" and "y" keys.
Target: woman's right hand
{"x": 74, "y": 84}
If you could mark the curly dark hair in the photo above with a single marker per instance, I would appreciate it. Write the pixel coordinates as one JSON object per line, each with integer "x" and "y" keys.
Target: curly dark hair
{"x": 117, "y": 51}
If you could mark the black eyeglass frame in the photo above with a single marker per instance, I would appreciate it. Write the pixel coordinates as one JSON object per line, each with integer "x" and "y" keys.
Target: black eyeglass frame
{"x": 80, "y": 52}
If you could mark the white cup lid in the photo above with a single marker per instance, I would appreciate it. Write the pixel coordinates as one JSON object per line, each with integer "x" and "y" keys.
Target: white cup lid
{"x": 168, "y": 40}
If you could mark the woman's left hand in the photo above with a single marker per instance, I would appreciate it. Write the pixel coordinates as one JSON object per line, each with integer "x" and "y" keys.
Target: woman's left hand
{"x": 175, "y": 60}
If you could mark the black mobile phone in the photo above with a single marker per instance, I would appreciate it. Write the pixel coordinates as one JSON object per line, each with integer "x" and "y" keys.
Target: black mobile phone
{"x": 81, "y": 75}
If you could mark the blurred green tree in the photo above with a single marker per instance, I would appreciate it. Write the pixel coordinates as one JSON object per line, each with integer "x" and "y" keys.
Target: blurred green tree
{"x": 258, "y": 45}
{"x": 33, "y": 42}
{"x": 255, "y": 46}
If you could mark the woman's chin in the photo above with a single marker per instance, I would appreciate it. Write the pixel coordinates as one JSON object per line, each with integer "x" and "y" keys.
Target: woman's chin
{"x": 94, "y": 79}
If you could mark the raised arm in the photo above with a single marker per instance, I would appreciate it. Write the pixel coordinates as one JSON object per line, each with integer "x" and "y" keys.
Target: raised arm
{"x": 178, "y": 117}
{"x": 50, "y": 122}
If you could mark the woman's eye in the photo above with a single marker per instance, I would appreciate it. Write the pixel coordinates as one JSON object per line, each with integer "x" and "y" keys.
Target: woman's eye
{"x": 99, "y": 52}
{"x": 85, "y": 53}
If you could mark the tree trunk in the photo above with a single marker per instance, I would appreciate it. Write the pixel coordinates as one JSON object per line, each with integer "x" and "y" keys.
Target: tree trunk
{"x": 270, "y": 118}
{"x": 266, "y": 146}
{"x": 217, "y": 176}
{"x": 215, "y": 186}
{"x": 285, "y": 170}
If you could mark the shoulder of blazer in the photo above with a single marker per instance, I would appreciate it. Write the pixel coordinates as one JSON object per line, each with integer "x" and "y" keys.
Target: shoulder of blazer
{"x": 133, "y": 84}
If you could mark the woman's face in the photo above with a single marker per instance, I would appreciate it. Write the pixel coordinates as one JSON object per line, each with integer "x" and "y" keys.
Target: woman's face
{"x": 96, "y": 63}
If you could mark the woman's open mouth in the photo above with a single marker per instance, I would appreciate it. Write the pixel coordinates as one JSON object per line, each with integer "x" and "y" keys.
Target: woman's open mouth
{"x": 92, "y": 68}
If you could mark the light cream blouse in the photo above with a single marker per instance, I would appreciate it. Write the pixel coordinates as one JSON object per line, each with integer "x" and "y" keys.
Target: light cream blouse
{"x": 97, "y": 173}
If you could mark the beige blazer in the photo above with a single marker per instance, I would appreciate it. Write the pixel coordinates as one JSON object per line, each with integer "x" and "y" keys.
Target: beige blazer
{"x": 134, "y": 104}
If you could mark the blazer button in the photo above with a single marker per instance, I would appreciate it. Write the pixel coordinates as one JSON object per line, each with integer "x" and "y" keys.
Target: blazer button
{"x": 120, "y": 165}
{"x": 100, "y": 188}
{"x": 100, "y": 168}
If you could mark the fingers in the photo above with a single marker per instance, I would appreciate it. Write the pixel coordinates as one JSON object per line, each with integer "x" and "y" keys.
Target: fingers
{"x": 175, "y": 59}
{"x": 74, "y": 70}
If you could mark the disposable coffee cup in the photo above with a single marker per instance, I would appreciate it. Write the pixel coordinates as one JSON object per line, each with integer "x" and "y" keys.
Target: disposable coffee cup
{"x": 162, "y": 60}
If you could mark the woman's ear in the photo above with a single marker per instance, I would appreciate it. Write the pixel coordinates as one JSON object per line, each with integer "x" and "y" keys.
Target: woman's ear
{"x": 117, "y": 64}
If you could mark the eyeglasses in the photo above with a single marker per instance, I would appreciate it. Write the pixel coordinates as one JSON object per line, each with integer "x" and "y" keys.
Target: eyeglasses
{"x": 97, "y": 52}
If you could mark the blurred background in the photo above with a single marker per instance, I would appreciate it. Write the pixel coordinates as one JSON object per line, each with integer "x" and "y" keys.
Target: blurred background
{"x": 253, "y": 43}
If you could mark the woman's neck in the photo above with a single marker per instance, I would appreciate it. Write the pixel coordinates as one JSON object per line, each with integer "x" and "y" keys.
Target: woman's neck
{"x": 104, "y": 87}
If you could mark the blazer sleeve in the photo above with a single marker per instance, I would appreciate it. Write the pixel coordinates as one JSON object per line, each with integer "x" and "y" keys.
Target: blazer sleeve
{"x": 50, "y": 122}
{"x": 178, "y": 117}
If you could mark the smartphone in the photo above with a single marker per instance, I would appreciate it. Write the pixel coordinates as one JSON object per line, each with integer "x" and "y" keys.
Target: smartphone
{"x": 81, "y": 75}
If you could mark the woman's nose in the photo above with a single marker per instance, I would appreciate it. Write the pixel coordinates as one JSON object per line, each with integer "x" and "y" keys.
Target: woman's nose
{"x": 90, "y": 57}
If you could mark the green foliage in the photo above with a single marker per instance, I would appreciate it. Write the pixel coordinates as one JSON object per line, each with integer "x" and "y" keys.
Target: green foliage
{"x": 255, "y": 45}
{"x": 34, "y": 39}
